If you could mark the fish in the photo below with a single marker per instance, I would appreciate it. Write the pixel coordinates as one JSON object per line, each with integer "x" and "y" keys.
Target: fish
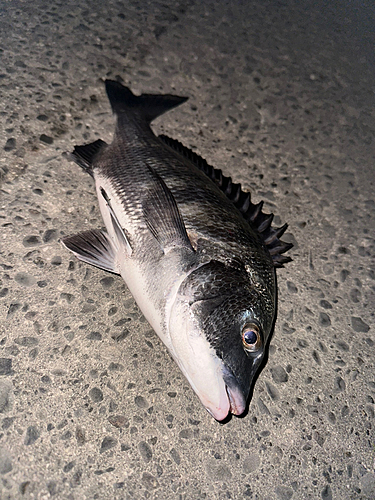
{"x": 197, "y": 255}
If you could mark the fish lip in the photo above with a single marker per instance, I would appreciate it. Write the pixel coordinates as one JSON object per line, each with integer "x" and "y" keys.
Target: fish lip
{"x": 237, "y": 391}
{"x": 237, "y": 401}
{"x": 236, "y": 394}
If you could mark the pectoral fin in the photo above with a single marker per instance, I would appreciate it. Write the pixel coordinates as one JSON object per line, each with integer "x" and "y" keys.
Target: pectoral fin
{"x": 162, "y": 215}
{"x": 93, "y": 247}
{"x": 122, "y": 237}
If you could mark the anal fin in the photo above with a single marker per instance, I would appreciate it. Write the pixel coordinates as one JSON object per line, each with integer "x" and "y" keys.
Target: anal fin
{"x": 93, "y": 247}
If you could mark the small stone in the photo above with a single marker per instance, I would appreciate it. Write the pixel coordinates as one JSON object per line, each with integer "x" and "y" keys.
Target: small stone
{"x": 13, "y": 308}
{"x": 339, "y": 385}
{"x": 7, "y": 422}
{"x": 68, "y": 467}
{"x": 359, "y": 326}
{"x": 67, "y": 296}
{"x": 118, "y": 337}
{"x": 343, "y": 275}
{"x": 10, "y": 144}
{"x": 343, "y": 346}
{"x": 108, "y": 443}
{"x": 46, "y": 139}
{"x": 272, "y": 391}
{"x": 326, "y": 492}
{"x": 291, "y": 287}
{"x": 316, "y": 357}
{"x": 283, "y": 492}
{"x": 288, "y": 330}
{"x": 251, "y": 463}
{"x": 122, "y": 321}
{"x": 107, "y": 282}
{"x": 24, "y": 279}
{"x": 6, "y": 365}
{"x": 145, "y": 451}
{"x": 116, "y": 367}
{"x": 76, "y": 479}
{"x": 140, "y": 402}
{"x": 326, "y": 304}
{"x": 175, "y": 455}
{"x": 319, "y": 438}
{"x": 368, "y": 485}
{"x": 66, "y": 436}
{"x": 62, "y": 424}
{"x": 324, "y": 319}
{"x": 279, "y": 375}
{"x": 24, "y": 487}
{"x": 263, "y": 407}
{"x": 33, "y": 353}
{"x": 355, "y": 295}
{"x": 94, "y": 336}
{"x": 96, "y": 395}
{"x": 31, "y": 241}
{"x": 149, "y": 481}
{"x": 52, "y": 488}
{"x": 26, "y": 341}
{"x": 118, "y": 421}
{"x": 345, "y": 411}
{"x": 80, "y": 436}
{"x": 32, "y": 434}
{"x": 5, "y": 461}
{"x": 49, "y": 235}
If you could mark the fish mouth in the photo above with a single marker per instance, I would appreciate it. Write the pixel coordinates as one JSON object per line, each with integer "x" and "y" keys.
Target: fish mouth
{"x": 237, "y": 401}
{"x": 234, "y": 403}
{"x": 233, "y": 400}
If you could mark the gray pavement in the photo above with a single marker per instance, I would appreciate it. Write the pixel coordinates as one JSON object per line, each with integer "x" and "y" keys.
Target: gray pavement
{"x": 281, "y": 98}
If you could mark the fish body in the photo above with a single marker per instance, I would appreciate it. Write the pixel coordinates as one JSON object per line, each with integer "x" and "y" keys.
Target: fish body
{"x": 195, "y": 253}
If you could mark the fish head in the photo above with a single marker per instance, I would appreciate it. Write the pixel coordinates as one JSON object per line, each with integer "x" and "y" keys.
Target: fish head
{"x": 219, "y": 326}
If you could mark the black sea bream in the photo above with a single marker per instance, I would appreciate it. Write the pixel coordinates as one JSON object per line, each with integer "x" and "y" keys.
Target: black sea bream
{"x": 194, "y": 251}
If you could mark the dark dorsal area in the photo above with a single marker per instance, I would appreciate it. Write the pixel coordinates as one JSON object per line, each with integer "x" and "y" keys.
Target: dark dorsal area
{"x": 252, "y": 213}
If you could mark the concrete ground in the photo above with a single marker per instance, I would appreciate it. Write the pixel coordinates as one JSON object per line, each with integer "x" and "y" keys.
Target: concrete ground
{"x": 282, "y": 99}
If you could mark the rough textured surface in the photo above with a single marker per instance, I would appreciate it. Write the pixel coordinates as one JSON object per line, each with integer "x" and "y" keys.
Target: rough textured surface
{"x": 281, "y": 98}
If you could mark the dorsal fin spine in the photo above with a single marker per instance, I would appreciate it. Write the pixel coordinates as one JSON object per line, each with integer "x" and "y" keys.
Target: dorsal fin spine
{"x": 251, "y": 212}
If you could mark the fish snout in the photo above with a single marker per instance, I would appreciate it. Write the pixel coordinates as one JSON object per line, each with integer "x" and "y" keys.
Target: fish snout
{"x": 236, "y": 392}
{"x": 233, "y": 400}
{"x": 237, "y": 400}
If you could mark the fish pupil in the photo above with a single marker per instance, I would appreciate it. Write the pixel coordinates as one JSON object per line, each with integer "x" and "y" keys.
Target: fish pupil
{"x": 250, "y": 337}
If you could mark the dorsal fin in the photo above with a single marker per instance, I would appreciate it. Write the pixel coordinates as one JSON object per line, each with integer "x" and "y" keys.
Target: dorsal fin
{"x": 252, "y": 213}
{"x": 84, "y": 155}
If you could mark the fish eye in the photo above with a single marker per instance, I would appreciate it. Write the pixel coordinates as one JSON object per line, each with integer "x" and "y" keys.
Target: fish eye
{"x": 251, "y": 339}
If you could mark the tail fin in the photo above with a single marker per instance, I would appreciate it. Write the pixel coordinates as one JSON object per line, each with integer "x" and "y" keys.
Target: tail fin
{"x": 148, "y": 106}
